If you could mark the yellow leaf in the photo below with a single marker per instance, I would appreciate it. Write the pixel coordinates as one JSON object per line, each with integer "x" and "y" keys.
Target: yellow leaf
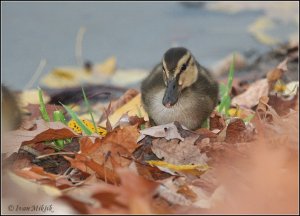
{"x": 72, "y": 76}
{"x": 75, "y": 127}
{"x": 195, "y": 169}
{"x": 279, "y": 86}
{"x": 258, "y": 30}
{"x": 107, "y": 67}
{"x": 133, "y": 108}
{"x": 30, "y": 96}
{"x": 233, "y": 112}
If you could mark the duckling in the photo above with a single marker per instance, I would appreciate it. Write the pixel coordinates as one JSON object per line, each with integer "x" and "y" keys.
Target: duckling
{"x": 179, "y": 89}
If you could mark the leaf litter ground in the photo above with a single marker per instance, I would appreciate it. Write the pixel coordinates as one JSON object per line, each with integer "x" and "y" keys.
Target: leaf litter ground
{"x": 232, "y": 166}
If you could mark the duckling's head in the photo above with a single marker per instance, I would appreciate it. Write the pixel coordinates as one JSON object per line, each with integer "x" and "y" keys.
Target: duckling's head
{"x": 179, "y": 72}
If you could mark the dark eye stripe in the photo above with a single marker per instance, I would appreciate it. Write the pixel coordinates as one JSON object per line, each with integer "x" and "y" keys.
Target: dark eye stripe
{"x": 186, "y": 65}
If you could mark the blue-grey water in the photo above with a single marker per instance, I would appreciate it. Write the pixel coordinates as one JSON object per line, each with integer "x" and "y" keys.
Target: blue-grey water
{"x": 137, "y": 33}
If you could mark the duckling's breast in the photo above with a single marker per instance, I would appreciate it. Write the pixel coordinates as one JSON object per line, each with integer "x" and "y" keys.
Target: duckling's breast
{"x": 187, "y": 111}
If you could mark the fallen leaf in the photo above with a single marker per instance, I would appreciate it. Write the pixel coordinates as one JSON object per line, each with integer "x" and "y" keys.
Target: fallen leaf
{"x": 195, "y": 169}
{"x": 237, "y": 131}
{"x": 30, "y": 96}
{"x": 282, "y": 104}
{"x": 168, "y": 131}
{"x": 258, "y": 30}
{"x": 37, "y": 174}
{"x": 70, "y": 76}
{"x": 291, "y": 88}
{"x": 133, "y": 196}
{"x": 178, "y": 152}
{"x": 45, "y": 131}
{"x": 251, "y": 96}
{"x": 172, "y": 196}
{"x": 274, "y": 75}
{"x": 132, "y": 108}
{"x": 103, "y": 156}
{"x": 128, "y": 77}
{"x": 124, "y": 99}
{"x": 216, "y": 121}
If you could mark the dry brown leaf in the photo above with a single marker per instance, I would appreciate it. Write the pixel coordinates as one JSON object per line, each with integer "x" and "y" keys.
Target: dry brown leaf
{"x": 37, "y": 174}
{"x": 216, "y": 121}
{"x": 45, "y": 131}
{"x": 103, "y": 156}
{"x": 206, "y": 133}
{"x": 168, "y": 190}
{"x": 281, "y": 104}
{"x": 133, "y": 196}
{"x": 237, "y": 131}
{"x": 88, "y": 165}
{"x": 132, "y": 108}
{"x": 180, "y": 192}
{"x": 251, "y": 96}
{"x": 178, "y": 152}
{"x": 127, "y": 120}
{"x": 168, "y": 131}
{"x": 276, "y": 74}
{"x": 124, "y": 99}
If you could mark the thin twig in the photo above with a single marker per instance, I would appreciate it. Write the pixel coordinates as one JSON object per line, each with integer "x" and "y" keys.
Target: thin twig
{"x": 78, "y": 45}
{"x": 55, "y": 153}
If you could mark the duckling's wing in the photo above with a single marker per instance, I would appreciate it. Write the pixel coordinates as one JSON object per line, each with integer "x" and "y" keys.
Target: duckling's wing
{"x": 153, "y": 80}
{"x": 151, "y": 86}
{"x": 207, "y": 84}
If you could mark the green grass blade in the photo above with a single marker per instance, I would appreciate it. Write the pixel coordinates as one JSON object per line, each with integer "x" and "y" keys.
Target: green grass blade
{"x": 226, "y": 101}
{"x": 222, "y": 89}
{"x": 60, "y": 142}
{"x": 78, "y": 121}
{"x": 87, "y": 104}
{"x": 231, "y": 75}
{"x": 43, "y": 110}
{"x": 60, "y": 116}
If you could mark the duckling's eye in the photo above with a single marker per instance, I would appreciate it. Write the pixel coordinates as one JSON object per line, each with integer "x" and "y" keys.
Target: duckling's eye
{"x": 183, "y": 67}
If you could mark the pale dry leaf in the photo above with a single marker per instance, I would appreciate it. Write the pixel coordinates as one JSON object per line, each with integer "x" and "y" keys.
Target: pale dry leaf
{"x": 45, "y": 131}
{"x": 172, "y": 197}
{"x": 167, "y": 131}
{"x": 179, "y": 152}
{"x": 251, "y": 96}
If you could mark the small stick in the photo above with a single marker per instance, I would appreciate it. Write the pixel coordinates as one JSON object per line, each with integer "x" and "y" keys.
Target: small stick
{"x": 78, "y": 46}
{"x": 55, "y": 153}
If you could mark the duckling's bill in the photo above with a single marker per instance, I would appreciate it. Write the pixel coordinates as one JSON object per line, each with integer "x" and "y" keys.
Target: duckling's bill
{"x": 171, "y": 94}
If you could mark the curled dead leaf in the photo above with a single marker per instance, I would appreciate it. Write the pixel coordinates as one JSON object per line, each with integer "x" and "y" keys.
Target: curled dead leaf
{"x": 216, "y": 121}
{"x": 237, "y": 131}
{"x": 250, "y": 97}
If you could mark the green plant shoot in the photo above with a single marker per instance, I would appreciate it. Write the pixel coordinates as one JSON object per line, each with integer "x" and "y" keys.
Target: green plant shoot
{"x": 78, "y": 121}
{"x": 87, "y": 104}
{"x": 43, "y": 110}
{"x": 226, "y": 100}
